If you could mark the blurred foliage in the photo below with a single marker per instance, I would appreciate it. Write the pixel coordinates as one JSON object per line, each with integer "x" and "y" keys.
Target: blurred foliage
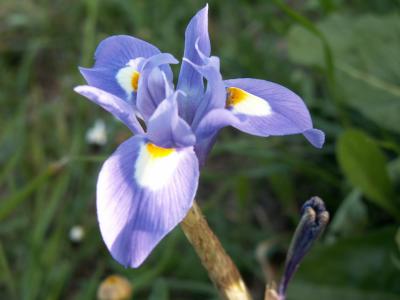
{"x": 342, "y": 57}
{"x": 366, "y": 61}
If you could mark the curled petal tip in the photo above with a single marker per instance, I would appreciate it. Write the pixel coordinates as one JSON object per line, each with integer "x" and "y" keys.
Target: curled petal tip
{"x": 316, "y": 205}
{"x": 204, "y": 11}
{"x": 181, "y": 93}
{"x": 80, "y": 89}
{"x": 316, "y": 137}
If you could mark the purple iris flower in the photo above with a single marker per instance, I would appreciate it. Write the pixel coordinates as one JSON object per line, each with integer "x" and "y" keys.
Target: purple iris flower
{"x": 146, "y": 187}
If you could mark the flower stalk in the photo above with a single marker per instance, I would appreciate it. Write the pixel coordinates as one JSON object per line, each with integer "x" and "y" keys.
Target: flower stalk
{"x": 220, "y": 267}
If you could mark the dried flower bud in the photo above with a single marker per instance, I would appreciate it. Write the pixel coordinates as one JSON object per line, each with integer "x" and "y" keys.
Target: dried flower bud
{"x": 114, "y": 287}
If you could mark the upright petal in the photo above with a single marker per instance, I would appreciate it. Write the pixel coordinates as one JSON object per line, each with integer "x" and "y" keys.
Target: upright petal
{"x": 118, "y": 62}
{"x": 214, "y": 97}
{"x": 190, "y": 81}
{"x": 271, "y": 109}
{"x": 155, "y": 84}
{"x": 116, "y": 51}
{"x": 143, "y": 192}
{"x": 165, "y": 127}
{"x": 116, "y": 106}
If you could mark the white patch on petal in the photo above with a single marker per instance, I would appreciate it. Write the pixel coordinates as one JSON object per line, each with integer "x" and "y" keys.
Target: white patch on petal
{"x": 153, "y": 170}
{"x": 243, "y": 102}
{"x": 124, "y": 78}
{"x": 125, "y": 75}
{"x": 136, "y": 63}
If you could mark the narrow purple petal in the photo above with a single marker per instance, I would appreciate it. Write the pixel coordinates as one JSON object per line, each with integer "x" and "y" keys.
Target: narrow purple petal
{"x": 165, "y": 127}
{"x": 271, "y": 109}
{"x": 214, "y": 97}
{"x": 203, "y": 148}
{"x": 190, "y": 81}
{"x": 154, "y": 84}
{"x": 142, "y": 196}
{"x": 116, "y": 106}
{"x": 208, "y": 129}
{"x": 214, "y": 120}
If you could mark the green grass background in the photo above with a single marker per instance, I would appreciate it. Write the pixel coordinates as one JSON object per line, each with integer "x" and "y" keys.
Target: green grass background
{"x": 342, "y": 57}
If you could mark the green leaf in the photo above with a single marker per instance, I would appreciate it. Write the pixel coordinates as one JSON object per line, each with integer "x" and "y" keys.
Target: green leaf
{"x": 303, "y": 290}
{"x": 350, "y": 269}
{"x": 6, "y": 276}
{"x": 159, "y": 291}
{"x": 364, "y": 165}
{"x": 350, "y": 218}
{"x": 367, "y": 73}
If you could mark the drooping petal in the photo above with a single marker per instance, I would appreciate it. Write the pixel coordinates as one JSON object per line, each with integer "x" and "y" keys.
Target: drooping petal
{"x": 105, "y": 79}
{"x": 316, "y": 137}
{"x": 190, "y": 81}
{"x": 271, "y": 109}
{"x": 154, "y": 84}
{"x": 116, "y": 106}
{"x": 143, "y": 192}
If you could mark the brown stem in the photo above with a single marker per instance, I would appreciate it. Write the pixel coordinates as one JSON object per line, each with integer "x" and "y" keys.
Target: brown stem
{"x": 271, "y": 293}
{"x": 220, "y": 267}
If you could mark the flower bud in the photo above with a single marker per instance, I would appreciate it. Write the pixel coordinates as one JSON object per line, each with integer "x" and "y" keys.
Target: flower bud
{"x": 314, "y": 218}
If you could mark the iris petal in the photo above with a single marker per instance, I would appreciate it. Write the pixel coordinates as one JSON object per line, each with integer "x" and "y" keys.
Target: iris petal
{"x": 116, "y": 106}
{"x": 116, "y": 51}
{"x": 141, "y": 197}
{"x": 209, "y": 127}
{"x": 166, "y": 128}
{"x": 214, "y": 121}
{"x": 214, "y": 96}
{"x": 190, "y": 81}
{"x": 282, "y": 113}
{"x": 113, "y": 63}
{"x": 154, "y": 84}
{"x": 105, "y": 79}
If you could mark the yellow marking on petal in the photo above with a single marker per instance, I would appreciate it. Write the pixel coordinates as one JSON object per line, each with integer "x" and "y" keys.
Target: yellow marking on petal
{"x": 243, "y": 102}
{"x": 158, "y": 152}
{"x": 235, "y": 96}
{"x": 135, "y": 80}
